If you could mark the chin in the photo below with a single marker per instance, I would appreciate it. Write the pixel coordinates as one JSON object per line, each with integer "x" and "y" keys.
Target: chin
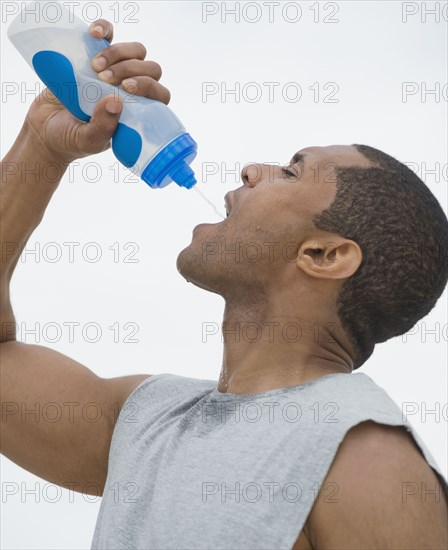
{"x": 184, "y": 262}
{"x": 191, "y": 265}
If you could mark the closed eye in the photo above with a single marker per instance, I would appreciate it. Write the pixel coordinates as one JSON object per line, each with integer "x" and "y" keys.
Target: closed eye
{"x": 288, "y": 173}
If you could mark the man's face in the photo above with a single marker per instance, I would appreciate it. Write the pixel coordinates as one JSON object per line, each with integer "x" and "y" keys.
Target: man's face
{"x": 269, "y": 217}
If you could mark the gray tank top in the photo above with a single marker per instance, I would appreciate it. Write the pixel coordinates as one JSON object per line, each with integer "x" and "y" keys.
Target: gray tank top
{"x": 190, "y": 467}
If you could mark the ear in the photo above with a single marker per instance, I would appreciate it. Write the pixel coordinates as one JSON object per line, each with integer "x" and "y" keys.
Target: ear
{"x": 337, "y": 258}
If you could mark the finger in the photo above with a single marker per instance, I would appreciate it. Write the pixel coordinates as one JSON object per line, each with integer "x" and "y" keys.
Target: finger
{"x": 94, "y": 137}
{"x": 147, "y": 87}
{"x": 115, "y": 74}
{"x": 118, "y": 52}
{"x": 102, "y": 29}
{"x": 48, "y": 95}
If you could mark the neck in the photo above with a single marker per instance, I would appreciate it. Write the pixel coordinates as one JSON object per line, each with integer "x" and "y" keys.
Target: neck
{"x": 268, "y": 346}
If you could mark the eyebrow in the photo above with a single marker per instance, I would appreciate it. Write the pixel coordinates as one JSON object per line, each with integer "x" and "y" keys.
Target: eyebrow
{"x": 298, "y": 158}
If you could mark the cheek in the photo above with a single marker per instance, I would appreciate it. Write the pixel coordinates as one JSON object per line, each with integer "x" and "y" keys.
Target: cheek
{"x": 263, "y": 226}
{"x": 272, "y": 212}
{"x": 265, "y": 202}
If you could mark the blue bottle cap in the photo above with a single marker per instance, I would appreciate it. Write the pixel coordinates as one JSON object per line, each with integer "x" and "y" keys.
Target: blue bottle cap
{"x": 171, "y": 164}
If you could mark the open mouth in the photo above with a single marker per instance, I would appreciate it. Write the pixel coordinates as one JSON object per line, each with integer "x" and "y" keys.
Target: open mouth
{"x": 228, "y": 203}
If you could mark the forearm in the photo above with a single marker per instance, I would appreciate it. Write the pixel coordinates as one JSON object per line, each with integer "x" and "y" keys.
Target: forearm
{"x": 29, "y": 175}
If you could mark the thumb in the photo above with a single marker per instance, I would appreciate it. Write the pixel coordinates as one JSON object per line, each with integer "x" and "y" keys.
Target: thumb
{"x": 48, "y": 95}
{"x": 94, "y": 137}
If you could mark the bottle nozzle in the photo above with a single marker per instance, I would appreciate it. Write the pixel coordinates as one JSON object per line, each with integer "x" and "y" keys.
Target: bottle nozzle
{"x": 183, "y": 175}
{"x": 172, "y": 164}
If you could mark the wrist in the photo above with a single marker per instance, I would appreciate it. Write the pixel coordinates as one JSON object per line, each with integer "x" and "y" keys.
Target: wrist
{"x": 36, "y": 149}
{"x": 29, "y": 161}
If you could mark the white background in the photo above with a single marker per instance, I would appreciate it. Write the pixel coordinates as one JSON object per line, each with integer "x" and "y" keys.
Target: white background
{"x": 369, "y": 53}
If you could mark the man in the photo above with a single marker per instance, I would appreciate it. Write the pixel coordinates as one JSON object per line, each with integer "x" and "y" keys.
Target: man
{"x": 290, "y": 449}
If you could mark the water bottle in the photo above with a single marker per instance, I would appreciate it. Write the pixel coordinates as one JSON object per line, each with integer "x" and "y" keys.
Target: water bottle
{"x": 149, "y": 140}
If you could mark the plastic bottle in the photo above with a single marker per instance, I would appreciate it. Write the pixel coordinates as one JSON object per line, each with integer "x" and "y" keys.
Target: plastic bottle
{"x": 150, "y": 140}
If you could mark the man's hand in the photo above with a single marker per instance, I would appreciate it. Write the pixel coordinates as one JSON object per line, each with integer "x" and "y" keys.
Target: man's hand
{"x": 65, "y": 137}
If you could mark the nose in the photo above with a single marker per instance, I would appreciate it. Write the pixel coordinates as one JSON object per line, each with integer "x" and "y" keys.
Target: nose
{"x": 252, "y": 174}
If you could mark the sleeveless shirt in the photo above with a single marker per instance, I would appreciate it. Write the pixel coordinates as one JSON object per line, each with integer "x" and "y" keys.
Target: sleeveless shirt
{"x": 191, "y": 467}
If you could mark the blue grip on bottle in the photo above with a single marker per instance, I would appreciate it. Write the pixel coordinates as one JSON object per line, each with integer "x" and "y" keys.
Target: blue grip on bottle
{"x": 126, "y": 145}
{"x": 56, "y": 72}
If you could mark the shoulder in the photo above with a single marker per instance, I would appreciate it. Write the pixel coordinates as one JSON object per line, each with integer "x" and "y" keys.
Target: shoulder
{"x": 160, "y": 393}
{"x": 379, "y": 492}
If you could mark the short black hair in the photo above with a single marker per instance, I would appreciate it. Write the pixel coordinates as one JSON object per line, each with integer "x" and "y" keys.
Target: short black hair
{"x": 403, "y": 234}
